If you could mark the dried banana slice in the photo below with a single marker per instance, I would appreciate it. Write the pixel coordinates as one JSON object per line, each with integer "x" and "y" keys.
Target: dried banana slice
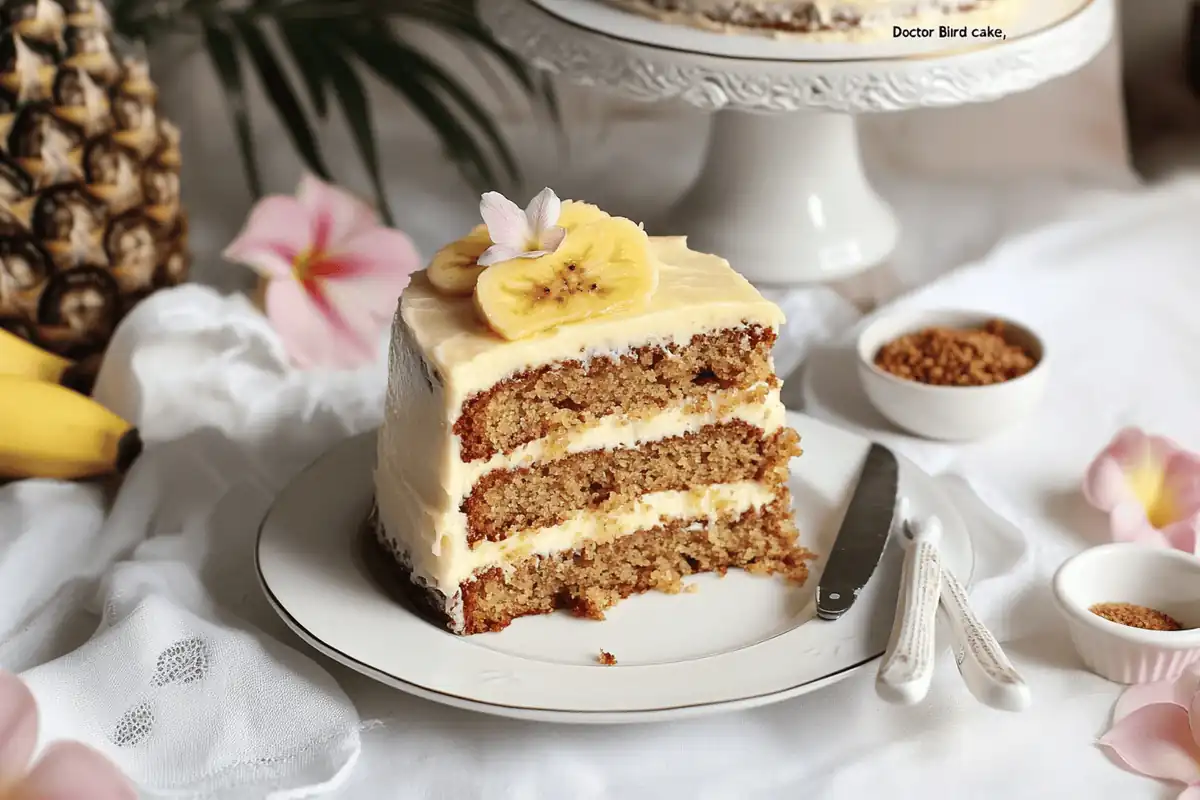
{"x": 601, "y": 267}
{"x": 455, "y": 267}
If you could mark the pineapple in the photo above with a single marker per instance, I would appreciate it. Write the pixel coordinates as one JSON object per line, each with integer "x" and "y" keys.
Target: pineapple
{"x": 90, "y": 219}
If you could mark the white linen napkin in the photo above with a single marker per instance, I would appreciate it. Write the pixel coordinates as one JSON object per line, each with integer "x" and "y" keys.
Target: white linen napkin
{"x": 173, "y": 676}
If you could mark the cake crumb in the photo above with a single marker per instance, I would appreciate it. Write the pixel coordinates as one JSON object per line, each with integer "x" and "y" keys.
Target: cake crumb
{"x": 1135, "y": 616}
{"x": 691, "y": 588}
{"x": 607, "y": 659}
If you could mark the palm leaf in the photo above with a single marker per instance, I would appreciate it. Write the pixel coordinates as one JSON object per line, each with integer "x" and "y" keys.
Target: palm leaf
{"x": 301, "y": 41}
{"x": 281, "y": 95}
{"x": 404, "y": 68}
{"x": 328, "y": 41}
{"x": 460, "y": 20}
{"x": 352, "y": 98}
{"x": 222, "y": 51}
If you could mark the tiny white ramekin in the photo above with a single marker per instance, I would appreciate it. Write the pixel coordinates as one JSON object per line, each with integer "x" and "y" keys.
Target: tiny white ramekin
{"x": 949, "y": 413}
{"x": 1159, "y": 578}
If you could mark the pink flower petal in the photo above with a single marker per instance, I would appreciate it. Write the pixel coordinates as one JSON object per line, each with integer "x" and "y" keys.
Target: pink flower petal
{"x": 1128, "y": 523}
{"x": 1194, "y": 718}
{"x": 1190, "y": 793}
{"x": 1105, "y": 486}
{"x": 276, "y": 231}
{"x": 1156, "y": 740}
{"x": 1179, "y": 691}
{"x": 336, "y": 214}
{"x": 1182, "y": 534}
{"x": 543, "y": 210}
{"x": 307, "y": 333}
{"x": 382, "y": 253}
{"x": 506, "y": 223}
{"x": 1132, "y": 445}
{"x": 72, "y": 771}
{"x": 366, "y": 304}
{"x": 1182, "y": 482}
{"x": 18, "y": 726}
{"x": 498, "y": 253}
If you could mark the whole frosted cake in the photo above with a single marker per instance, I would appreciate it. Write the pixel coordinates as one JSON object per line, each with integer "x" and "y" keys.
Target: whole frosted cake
{"x": 825, "y": 18}
{"x": 577, "y": 412}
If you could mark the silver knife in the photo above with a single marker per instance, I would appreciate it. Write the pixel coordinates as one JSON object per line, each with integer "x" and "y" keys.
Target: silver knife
{"x": 863, "y": 535}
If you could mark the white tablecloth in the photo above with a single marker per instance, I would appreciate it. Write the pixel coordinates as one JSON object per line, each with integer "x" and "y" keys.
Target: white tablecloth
{"x": 1114, "y": 293}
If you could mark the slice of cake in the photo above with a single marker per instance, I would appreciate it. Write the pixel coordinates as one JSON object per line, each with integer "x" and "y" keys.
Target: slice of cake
{"x": 828, "y": 19}
{"x": 575, "y": 413}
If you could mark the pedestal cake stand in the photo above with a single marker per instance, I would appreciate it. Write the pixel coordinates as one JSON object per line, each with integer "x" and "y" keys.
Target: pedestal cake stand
{"x": 782, "y": 193}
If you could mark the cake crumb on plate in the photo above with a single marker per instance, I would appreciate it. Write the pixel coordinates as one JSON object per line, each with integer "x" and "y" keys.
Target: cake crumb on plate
{"x": 606, "y": 658}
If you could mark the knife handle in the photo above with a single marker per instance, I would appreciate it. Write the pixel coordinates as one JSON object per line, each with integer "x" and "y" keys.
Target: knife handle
{"x": 988, "y": 673}
{"x": 907, "y": 668}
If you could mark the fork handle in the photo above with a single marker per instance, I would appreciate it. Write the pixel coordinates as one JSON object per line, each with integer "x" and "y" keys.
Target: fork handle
{"x": 986, "y": 670}
{"x": 907, "y": 667}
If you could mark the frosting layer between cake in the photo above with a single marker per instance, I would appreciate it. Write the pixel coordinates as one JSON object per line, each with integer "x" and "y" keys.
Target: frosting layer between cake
{"x": 445, "y": 564}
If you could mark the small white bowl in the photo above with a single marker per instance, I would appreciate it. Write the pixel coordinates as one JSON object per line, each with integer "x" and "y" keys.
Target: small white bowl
{"x": 1159, "y": 578}
{"x": 949, "y": 413}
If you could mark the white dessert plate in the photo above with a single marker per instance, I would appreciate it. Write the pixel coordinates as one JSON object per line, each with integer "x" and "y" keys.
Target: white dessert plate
{"x": 735, "y": 642}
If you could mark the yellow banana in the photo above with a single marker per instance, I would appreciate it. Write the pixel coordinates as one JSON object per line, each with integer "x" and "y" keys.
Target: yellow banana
{"x": 50, "y": 431}
{"x": 21, "y": 358}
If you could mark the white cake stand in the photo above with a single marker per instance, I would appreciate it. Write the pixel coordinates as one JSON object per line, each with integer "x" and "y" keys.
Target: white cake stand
{"x": 782, "y": 193}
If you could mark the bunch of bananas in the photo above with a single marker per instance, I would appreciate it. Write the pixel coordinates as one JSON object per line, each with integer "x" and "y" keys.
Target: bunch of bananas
{"x": 48, "y": 427}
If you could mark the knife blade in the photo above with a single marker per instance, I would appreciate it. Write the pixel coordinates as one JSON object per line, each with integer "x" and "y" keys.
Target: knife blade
{"x": 863, "y": 535}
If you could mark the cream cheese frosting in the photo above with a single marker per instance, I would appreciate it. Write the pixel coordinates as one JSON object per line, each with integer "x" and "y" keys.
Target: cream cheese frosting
{"x": 696, "y": 292}
{"x": 442, "y": 354}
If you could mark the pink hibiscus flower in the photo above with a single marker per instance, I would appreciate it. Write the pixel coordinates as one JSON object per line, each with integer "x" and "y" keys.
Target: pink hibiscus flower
{"x": 334, "y": 273}
{"x": 1150, "y": 488}
{"x": 1156, "y": 731}
{"x": 66, "y": 770}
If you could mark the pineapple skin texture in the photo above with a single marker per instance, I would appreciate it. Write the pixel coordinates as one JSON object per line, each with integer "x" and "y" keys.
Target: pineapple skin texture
{"x": 90, "y": 215}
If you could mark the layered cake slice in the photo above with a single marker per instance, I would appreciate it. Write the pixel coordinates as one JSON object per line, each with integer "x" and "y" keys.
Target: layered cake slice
{"x": 577, "y": 412}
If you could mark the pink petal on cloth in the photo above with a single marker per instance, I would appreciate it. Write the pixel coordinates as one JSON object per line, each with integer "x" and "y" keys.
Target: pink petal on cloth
{"x": 1182, "y": 481}
{"x": 1156, "y": 740}
{"x": 385, "y": 254}
{"x": 1179, "y": 692}
{"x": 274, "y": 234}
{"x": 72, "y": 771}
{"x": 1128, "y": 523}
{"x": 308, "y": 336}
{"x": 18, "y": 726}
{"x": 336, "y": 215}
{"x": 1133, "y": 445}
{"x": 1105, "y": 485}
{"x": 543, "y": 210}
{"x": 1182, "y": 534}
{"x": 506, "y": 223}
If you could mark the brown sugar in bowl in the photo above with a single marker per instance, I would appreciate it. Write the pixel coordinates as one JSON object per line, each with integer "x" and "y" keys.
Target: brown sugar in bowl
{"x": 947, "y": 394}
